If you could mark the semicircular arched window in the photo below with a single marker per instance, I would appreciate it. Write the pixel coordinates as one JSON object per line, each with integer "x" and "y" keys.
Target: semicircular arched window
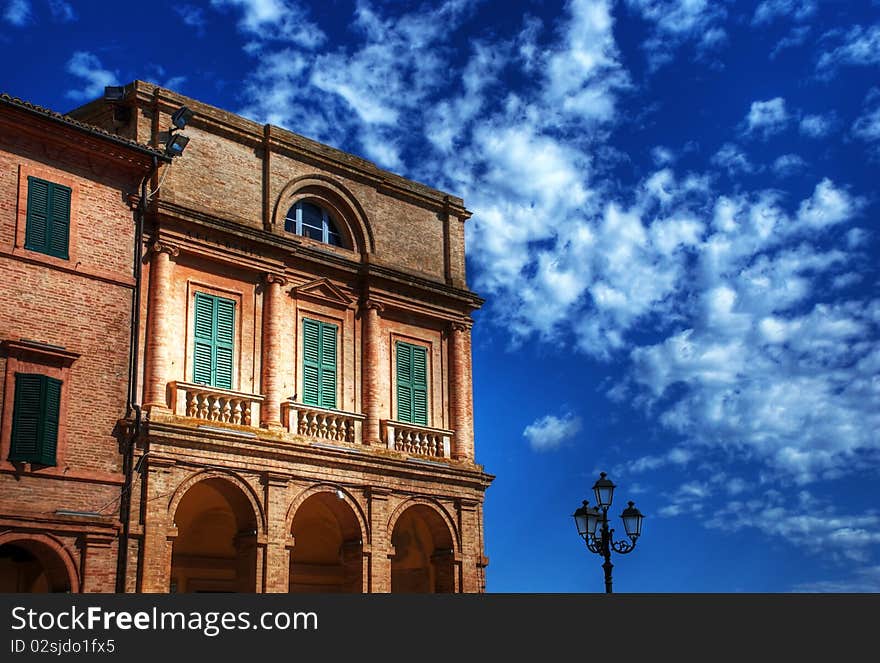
{"x": 314, "y": 222}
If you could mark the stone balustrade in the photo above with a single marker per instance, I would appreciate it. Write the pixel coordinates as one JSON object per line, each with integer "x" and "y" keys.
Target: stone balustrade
{"x": 222, "y": 406}
{"x": 417, "y": 440}
{"x": 322, "y": 423}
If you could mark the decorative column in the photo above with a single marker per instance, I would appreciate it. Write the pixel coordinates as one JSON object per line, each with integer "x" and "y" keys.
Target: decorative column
{"x": 98, "y": 562}
{"x": 370, "y": 369}
{"x": 270, "y": 412}
{"x": 159, "y": 332}
{"x": 461, "y": 390}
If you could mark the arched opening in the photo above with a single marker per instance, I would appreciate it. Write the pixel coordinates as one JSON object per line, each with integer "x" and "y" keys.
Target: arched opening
{"x": 31, "y": 567}
{"x": 327, "y": 553}
{"x": 215, "y": 549}
{"x": 423, "y": 559}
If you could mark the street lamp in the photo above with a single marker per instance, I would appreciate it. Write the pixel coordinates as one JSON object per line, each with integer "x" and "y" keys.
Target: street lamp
{"x": 588, "y": 519}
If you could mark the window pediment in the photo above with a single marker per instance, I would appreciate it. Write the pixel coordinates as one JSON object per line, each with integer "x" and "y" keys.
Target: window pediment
{"x": 324, "y": 292}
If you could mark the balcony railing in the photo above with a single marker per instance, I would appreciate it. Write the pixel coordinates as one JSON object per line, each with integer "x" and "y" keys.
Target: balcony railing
{"x": 417, "y": 440}
{"x": 213, "y": 404}
{"x": 321, "y": 423}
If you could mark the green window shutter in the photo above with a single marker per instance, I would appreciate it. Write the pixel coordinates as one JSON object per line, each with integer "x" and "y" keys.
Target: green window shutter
{"x": 328, "y": 365}
{"x": 52, "y": 406}
{"x": 412, "y": 383}
{"x": 404, "y": 382}
{"x": 311, "y": 362}
{"x": 59, "y": 233}
{"x": 224, "y": 338}
{"x": 203, "y": 327}
{"x": 319, "y": 363}
{"x": 419, "y": 385}
{"x": 36, "y": 236}
{"x": 26, "y": 417}
{"x": 48, "y": 218}
{"x": 213, "y": 341}
{"x": 35, "y": 419}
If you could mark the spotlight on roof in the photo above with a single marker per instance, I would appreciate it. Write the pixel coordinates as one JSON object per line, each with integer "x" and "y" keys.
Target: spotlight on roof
{"x": 175, "y": 145}
{"x": 114, "y": 92}
{"x": 181, "y": 116}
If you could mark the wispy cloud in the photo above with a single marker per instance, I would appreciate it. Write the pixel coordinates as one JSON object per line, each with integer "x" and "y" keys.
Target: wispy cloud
{"x": 859, "y": 46}
{"x": 62, "y": 11}
{"x": 192, "y": 16}
{"x": 766, "y": 117}
{"x": 771, "y": 10}
{"x": 95, "y": 77}
{"x": 817, "y": 126}
{"x": 676, "y": 22}
{"x": 17, "y": 12}
{"x": 788, "y": 165}
{"x": 276, "y": 20}
{"x": 550, "y": 432}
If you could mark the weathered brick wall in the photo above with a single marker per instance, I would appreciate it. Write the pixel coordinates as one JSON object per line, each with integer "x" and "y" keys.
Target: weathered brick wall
{"x": 84, "y": 305}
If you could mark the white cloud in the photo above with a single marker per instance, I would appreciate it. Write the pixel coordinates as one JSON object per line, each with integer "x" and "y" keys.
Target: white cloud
{"x": 766, "y": 117}
{"x": 865, "y": 580}
{"x": 192, "y": 16}
{"x": 807, "y": 524}
{"x": 550, "y": 432}
{"x": 676, "y": 22}
{"x": 732, "y": 159}
{"x": 17, "y": 12}
{"x": 827, "y": 206}
{"x": 788, "y": 165}
{"x": 88, "y": 67}
{"x": 769, "y": 10}
{"x": 816, "y": 126}
{"x": 796, "y": 37}
{"x": 281, "y": 20}
{"x": 859, "y": 47}
{"x": 867, "y": 125}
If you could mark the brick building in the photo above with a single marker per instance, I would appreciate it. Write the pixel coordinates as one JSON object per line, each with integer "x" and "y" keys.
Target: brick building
{"x": 303, "y": 370}
{"x": 66, "y": 272}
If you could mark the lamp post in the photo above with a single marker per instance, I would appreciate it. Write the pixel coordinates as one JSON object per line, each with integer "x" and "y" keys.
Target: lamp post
{"x": 602, "y": 542}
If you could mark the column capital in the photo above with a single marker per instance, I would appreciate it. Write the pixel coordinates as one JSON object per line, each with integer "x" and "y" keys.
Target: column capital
{"x": 270, "y": 277}
{"x": 164, "y": 247}
{"x": 461, "y": 325}
{"x": 369, "y": 303}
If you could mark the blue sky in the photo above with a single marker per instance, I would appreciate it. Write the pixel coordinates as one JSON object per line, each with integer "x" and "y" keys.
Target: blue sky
{"x": 674, "y": 228}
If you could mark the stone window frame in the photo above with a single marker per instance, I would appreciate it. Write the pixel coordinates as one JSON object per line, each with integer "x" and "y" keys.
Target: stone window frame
{"x": 26, "y": 170}
{"x": 192, "y": 287}
{"x": 24, "y": 356}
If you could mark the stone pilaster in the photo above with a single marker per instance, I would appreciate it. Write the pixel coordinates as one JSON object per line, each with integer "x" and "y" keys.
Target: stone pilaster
{"x": 380, "y": 558}
{"x": 277, "y": 574}
{"x": 270, "y": 411}
{"x": 370, "y": 370}
{"x": 461, "y": 391}
{"x": 158, "y": 341}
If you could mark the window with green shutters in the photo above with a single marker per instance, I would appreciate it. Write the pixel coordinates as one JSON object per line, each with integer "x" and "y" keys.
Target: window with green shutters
{"x": 214, "y": 335}
{"x": 48, "y": 218}
{"x": 319, "y": 363}
{"x": 412, "y": 383}
{"x": 35, "y": 419}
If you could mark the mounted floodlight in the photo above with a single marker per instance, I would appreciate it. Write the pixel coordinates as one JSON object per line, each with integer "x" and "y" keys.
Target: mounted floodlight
{"x": 181, "y": 116}
{"x": 175, "y": 145}
{"x": 114, "y": 92}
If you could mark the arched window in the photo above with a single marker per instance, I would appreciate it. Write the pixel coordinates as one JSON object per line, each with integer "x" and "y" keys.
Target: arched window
{"x": 309, "y": 220}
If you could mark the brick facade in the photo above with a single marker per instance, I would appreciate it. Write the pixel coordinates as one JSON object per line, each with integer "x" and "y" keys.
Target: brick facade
{"x": 248, "y": 488}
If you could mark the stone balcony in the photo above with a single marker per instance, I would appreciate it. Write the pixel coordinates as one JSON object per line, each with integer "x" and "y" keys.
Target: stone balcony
{"x": 417, "y": 440}
{"x": 321, "y": 423}
{"x": 222, "y": 406}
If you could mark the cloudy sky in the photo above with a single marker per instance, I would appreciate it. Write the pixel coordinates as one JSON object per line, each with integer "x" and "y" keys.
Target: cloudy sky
{"x": 674, "y": 226}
